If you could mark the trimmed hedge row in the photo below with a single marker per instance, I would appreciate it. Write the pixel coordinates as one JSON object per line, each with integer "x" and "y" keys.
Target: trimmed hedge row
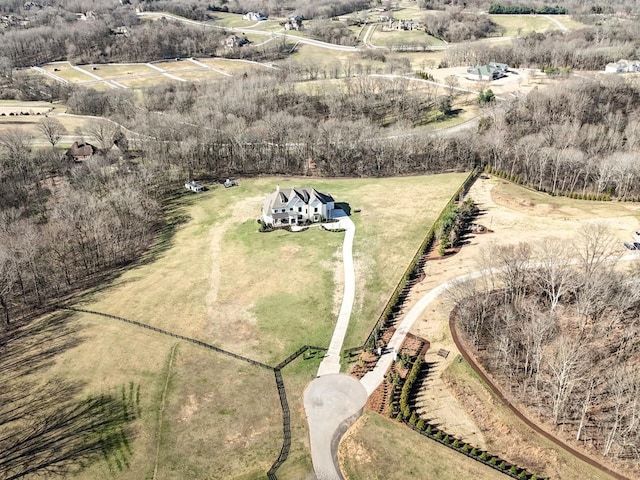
{"x": 600, "y": 197}
{"x": 470, "y": 451}
{"x": 412, "y": 268}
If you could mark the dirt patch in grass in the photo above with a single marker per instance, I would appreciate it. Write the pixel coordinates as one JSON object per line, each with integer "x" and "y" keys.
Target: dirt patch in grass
{"x": 515, "y": 215}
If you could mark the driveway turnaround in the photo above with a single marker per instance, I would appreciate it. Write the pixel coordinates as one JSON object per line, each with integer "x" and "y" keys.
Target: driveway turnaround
{"x": 331, "y": 362}
{"x": 332, "y": 403}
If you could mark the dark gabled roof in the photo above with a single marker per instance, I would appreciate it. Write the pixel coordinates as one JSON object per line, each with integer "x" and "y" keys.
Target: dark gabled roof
{"x": 281, "y": 198}
{"x": 323, "y": 197}
{"x": 81, "y": 149}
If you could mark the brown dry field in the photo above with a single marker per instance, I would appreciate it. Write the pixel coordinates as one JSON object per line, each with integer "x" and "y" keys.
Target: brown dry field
{"x": 219, "y": 280}
{"x": 515, "y": 215}
{"x": 377, "y": 448}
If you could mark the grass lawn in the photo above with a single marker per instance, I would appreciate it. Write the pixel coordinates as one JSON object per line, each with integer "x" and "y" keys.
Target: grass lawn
{"x": 266, "y": 284}
{"x": 569, "y": 22}
{"x": 400, "y": 37}
{"x": 234, "y": 66}
{"x": 196, "y": 75}
{"x": 225, "y": 19}
{"x": 199, "y": 417}
{"x": 173, "y": 65}
{"x": 217, "y": 279}
{"x": 380, "y": 448}
{"x": 115, "y": 71}
{"x": 522, "y": 445}
{"x": 66, "y": 71}
{"x": 518, "y": 25}
{"x": 506, "y": 192}
{"x": 29, "y": 123}
{"x": 242, "y": 430}
{"x": 146, "y": 81}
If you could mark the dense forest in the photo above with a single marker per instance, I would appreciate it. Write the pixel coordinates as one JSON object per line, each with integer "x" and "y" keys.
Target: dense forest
{"x": 557, "y": 324}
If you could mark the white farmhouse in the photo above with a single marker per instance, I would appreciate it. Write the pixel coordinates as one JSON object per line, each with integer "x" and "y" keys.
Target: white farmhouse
{"x": 296, "y": 206}
{"x": 623, "y": 66}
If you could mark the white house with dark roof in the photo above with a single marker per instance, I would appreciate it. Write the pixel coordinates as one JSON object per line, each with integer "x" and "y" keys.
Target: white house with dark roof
{"x": 623, "y": 66}
{"x": 296, "y": 206}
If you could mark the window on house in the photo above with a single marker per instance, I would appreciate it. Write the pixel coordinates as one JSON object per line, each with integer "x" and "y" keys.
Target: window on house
{"x": 291, "y": 209}
{"x": 299, "y": 209}
{"x": 315, "y": 210}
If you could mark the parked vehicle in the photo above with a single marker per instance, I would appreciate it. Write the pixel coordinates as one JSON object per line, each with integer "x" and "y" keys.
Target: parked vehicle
{"x": 637, "y": 245}
{"x": 629, "y": 246}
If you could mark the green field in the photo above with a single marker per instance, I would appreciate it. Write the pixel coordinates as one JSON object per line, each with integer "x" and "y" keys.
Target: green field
{"x": 518, "y": 25}
{"x": 263, "y": 295}
{"x": 118, "y": 71}
{"x": 67, "y": 72}
{"x": 399, "y": 37}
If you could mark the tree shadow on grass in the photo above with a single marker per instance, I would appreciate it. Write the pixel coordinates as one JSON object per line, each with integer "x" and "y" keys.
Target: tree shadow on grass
{"x": 48, "y": 427}
{"x": 173, "y": 216}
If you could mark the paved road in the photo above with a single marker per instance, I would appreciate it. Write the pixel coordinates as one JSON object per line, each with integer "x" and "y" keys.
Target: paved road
{"x": 332, "y": 403}
{"x": 331, "y": 362}
{"x": 305, "y": 40}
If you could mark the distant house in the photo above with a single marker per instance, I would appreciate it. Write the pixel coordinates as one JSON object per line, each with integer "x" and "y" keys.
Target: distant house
{"x": 294, "y": 22}
{"x": 80, "y": 151}
{"x": 194, "y": 186}
{"x": 486, "y": 72}
{"x": 255, "y": 16}
{"x": 122, "y": 30}
{"x": 296, "y": 206}
{"x": 234, "y": 41}
{"x": 623, "y": 66}
{"x": 406, "y": 25}
{"x": 385, "y": 16}
{"x": 503, "y": 67}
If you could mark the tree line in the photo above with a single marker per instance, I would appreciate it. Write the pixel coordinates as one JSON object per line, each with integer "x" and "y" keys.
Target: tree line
{"x": 497, "y": 8}
{"x": 557, "y": 324}
{"x": 63, "y": 226}
{"x": 587, "y": 49}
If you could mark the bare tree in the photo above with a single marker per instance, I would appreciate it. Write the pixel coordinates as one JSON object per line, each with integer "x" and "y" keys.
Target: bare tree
{"x": 7, "y": 277}
{"x": 565, "y": 366}
{"x": 52, "y": 129}
{"x": 595, "y": 247}
{"x": 553, "y": 273}
{"x": 105, "y": 132}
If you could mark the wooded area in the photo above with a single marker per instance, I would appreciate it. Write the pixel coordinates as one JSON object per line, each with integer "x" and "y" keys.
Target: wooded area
{"x": 557, "y": 324}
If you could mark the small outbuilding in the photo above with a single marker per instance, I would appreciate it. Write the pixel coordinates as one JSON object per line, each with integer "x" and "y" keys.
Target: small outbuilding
{"x": 194, "y": 186}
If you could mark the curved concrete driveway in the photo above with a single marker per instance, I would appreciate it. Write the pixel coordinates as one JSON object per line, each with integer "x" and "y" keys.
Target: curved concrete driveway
{"x": 331, "y": 362}
{"x": 374, "y": 378}
{"x": 332, "y": 403}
